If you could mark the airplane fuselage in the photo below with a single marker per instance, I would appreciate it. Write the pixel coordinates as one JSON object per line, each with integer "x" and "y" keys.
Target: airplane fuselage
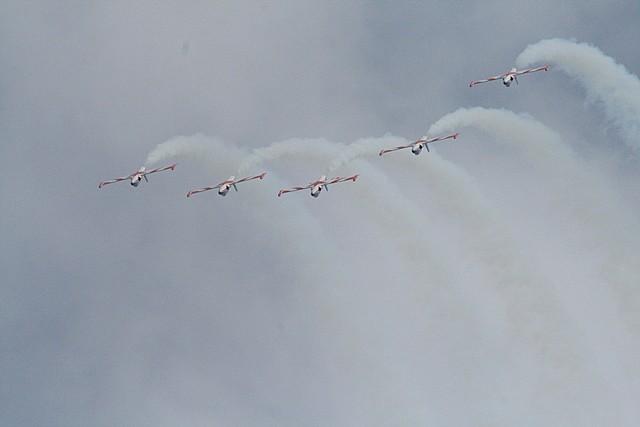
{"x": 315, "y": 190}
{"x": 224, "y": 189}
{"x": 509, "y": 78}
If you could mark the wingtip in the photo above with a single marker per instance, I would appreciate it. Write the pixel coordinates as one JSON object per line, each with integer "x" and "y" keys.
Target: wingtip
{"x": 355, "y": 177}
{"x": 381, "y": 152}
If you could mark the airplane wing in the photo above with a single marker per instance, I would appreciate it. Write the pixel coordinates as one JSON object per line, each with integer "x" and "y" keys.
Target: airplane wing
{"x": 394, "y": 149}
{"x": 192, "y": 192}
{"x": 440, "y": 138}
{"x": 533, "y": 70}
{"x": 291, "y": 190}
{"x": 339, "y": 179}
{"x": 490, "y": 79}
{"x": 172, "y": 167}
{"x": 249, "y": 178}
{"x": 323, "y": 183}
{"x": 111, "y": 181}
{"x": 423, "y": 140}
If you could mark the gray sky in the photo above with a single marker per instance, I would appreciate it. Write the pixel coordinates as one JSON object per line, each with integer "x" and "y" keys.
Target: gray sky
{"x": 489, "y": 282}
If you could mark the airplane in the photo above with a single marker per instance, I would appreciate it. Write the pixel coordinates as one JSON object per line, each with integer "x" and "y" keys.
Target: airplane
{"x": 136, "y": 177}
{"x": 317, "y": 186}
{"x": 509, "y": 77}
{"x": 417, "y": 146}
{"x": 225, "y": 186}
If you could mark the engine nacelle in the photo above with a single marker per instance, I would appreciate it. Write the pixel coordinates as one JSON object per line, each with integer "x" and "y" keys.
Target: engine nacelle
{"x": 315, "y": 191}
{"x": 507, "y": 80}
{"x": 416, "y": 149}
{"x": 223, "y": 190}
{"x": 136, "y": 180}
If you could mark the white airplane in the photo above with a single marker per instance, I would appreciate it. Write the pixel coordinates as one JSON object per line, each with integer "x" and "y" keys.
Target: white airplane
{"x": 136, "y": 177}
{"x": 416, "y": 147}
{"x": 509, "y": 77}
{"x": 225, "y": 186}
{"x": 317, "y": 186}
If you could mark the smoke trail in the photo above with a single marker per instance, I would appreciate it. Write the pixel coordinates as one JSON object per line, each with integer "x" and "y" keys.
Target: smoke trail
{"x": 363, "y": 147}
{"x": 276, "y": 150}
{"x": 603, "y": 78}
{"x": 433, "y": 295}
{"x": 532, "y": 310}
{"x": 315, "y": 273}
{"x": 195, "y": 147}
{"x": 438, "y": 306}
{"x": 321, "y": 150}
{"x": 605, "y": 229}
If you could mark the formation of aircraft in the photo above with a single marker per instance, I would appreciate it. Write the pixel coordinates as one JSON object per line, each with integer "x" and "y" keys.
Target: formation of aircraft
{"x": 225, "y": 186}
{"x": 508, "y": 78}
{"x": 417, "y": 146}
{"x": 137, "y": 176}
{"x": 317, "y": 186}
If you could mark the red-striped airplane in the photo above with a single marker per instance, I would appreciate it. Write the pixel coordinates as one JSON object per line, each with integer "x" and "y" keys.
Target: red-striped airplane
{"x": 317, "y": 186}
{"x": 509, "y": 77}
{"x": 417, "y": 146}
{"x": 224, "y": 187}
{"x": 136, "y": 177}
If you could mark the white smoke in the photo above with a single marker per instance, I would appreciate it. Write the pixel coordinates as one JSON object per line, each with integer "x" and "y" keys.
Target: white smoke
{"x": 609, "y": 234}
{"x": 484, "y": 236}
{"x": 545, "y": 362}
{"x": 196, "y": 147}
{"x": 363, "y": 147}
{"x": 604, "y": 80}
{"x": 294, "y": 148}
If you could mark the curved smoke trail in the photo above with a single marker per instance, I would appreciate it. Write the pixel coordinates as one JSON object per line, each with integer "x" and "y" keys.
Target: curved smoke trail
{"x": 602, "y": 77}
{"x": 194, "y": 147}
{"x": 315, "y": 270}
{"x": 607, "y": 231}
{"x": 363, "y": 147}
{"x": 277, "y": 150}
{"x": 544, "y": 356}
{"x": 321, "y": 150}
{"x": 532, "y": 310}
{"x": 430, "y": 290}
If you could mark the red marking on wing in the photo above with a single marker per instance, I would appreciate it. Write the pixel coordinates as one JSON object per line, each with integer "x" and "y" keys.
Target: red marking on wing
{"x": 202, "y": 190}
{"x": 248, "y": 178}
{"x": 281, "y": 192}
{"x": 111, "y": 181}
{"x": 388, "y": 150}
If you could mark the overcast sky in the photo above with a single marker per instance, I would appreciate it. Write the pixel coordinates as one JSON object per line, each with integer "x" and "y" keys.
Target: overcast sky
{"x": 490, "y": 282}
